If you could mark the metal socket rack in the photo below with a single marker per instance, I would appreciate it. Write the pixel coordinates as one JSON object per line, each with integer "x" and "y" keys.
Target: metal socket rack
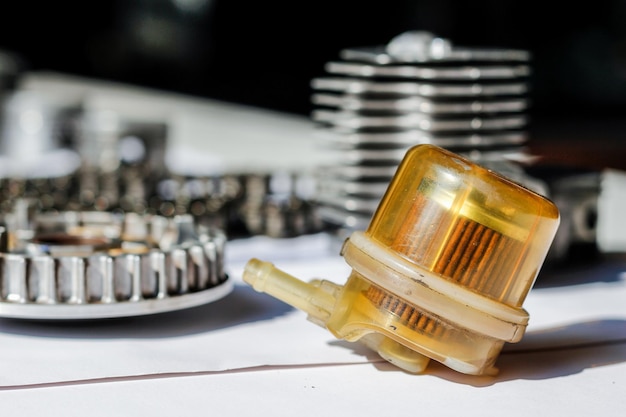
{"x": 87, "y": 265}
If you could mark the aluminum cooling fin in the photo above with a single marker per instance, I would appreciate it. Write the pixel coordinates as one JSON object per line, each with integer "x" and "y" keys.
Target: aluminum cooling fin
{"x": 91, "y": 265}
{"x": 374, "y": 103}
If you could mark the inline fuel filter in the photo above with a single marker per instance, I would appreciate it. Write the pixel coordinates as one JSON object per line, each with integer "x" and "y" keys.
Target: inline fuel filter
{"x": 440, "y": 273}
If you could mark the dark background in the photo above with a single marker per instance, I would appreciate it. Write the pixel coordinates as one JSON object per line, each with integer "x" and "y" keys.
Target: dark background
{"x": 265, "y": 53}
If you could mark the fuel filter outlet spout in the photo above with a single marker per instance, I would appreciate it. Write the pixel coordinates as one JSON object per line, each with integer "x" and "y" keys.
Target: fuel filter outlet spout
{"x": 440, "y": 273}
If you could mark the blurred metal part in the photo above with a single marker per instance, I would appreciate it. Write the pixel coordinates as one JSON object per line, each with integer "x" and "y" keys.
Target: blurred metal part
{"x": 416, "y": 103}
{"x": 122, "y": 160}
{"x": 36, "y": 159}
{"x": 347, "y": 120}
{"x": 409, "y": 88}
{"x": 611, "y": 222}
{"x": 85, "y": 265}
{"x": 592, "y": 211}
{"x": 33, "y": 137}
{"x": 285, "y": 209}
{"x": 30, "y": 124}
{"x": 423, "y": 46}
{"x": 390, "y": 140}
{"x": 377, "y": 102}
{"x": 277, "y": 204}
{"x": 428, "y": 73}
{"x": 416, "y": 46}
{"x": 120, "y": 152}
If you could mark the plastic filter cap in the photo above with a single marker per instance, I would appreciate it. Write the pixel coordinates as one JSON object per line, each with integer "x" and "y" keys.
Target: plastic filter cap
{"x": 442, "y": 271}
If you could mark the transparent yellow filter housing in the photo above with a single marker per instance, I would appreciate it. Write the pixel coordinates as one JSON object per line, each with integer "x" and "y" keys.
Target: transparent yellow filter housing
{"x": 441, "y": 272}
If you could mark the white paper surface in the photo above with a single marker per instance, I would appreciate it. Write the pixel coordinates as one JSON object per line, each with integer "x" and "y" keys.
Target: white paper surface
{"x": 530, "y": 386}
{"x": 251, "y": 345}
{"x": 245, "y": 329}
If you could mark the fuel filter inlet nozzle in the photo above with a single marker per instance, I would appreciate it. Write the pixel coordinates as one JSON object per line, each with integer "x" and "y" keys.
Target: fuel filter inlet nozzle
{"x": 440, "y": 273}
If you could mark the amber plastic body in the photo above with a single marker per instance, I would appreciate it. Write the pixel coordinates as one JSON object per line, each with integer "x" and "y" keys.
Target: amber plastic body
{"x": 442, "y": 270}
{"x": 466, "y": 223}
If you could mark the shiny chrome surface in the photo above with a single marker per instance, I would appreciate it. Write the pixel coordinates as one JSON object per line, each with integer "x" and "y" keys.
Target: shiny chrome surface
{"x": 377, "y": 102}
{"x": 79, "y": 265}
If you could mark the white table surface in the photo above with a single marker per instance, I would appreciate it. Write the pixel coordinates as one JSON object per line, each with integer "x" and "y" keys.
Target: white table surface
{"x": 249, "y": 354}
